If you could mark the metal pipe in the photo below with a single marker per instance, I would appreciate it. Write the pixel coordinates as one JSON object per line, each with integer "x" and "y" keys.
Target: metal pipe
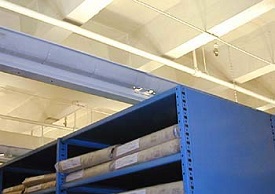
{"x": 34, "y": 122}
{"x": 195, "y": 60}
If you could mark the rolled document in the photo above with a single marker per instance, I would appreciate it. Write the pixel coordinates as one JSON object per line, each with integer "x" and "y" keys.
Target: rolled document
{"x": 162, "y": 150}
{"x": 85, "y": 160}
{"x": 31, "y": 181}
{"x": 147, "y": 141}
{"x": 17, "y": 188}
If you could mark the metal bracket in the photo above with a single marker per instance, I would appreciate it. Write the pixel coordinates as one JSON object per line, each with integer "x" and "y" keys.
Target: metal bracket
{"x": 61, "y": 154}
{"x": 186, "y": 143}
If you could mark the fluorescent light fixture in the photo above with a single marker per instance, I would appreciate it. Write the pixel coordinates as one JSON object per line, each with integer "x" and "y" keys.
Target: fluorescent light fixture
{"x": 2, "y": 155}
{"x": 87, "y": 9}
{"x": 130, "y": 49}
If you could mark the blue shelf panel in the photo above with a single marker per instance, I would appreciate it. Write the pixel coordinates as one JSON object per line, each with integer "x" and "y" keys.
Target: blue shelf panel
{"x": 19, "y": 170}
{"x": 78, "y": 190}
{"x": 186, "y": 142}
{"x": 232, "y": 146}
{"x": 87, "y": 144}
{"x": 272, "y": 120}
{"x": 61, "y": 154}
{"x": 95, "y": 190}
{"x": 125, "y": 171}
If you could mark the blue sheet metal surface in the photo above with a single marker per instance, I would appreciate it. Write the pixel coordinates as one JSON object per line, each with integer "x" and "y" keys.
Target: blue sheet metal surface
{"x": 87, "y": 144}
{"x": 95, "y": 190}
{"x": 61, "y": 154}
{"x": 272, "y": 120}
{"x": 186, "y": 143}
{"x": 232, "y": 147}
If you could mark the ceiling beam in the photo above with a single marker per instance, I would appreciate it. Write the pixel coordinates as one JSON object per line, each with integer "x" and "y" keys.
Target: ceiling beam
{"x": 218, "y": 30}
{"x": 87, "y": 10}
{"x": 72, "y": 69}
{"x": 266, "y": 107}
{"x": 79, "y": 15}
{"x": 255, "y": 74}
{"x": 222, "y": 28}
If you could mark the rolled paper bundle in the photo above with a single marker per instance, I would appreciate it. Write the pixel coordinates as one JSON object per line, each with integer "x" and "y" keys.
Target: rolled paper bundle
{"x": 159, "y": 151}
{"x": 85, "y": 160}
{"x": 40, "y": 187}
{"x": 15, "y": 192}
{"x": 147, "y": 141}
{"x": 17, "y": 188}
{"x": 31, "y": 181}
{"x": 89, "y": 172}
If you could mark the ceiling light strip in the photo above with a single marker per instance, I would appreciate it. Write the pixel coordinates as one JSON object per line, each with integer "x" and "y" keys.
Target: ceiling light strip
{"x": 127, "y": 48}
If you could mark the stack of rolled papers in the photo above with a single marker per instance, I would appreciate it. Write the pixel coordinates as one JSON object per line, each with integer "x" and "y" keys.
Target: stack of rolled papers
{"x": 18, "y": 189}
{"x": 169, "y": 188}
{"x": 162, "y": 150}
{"x": 40, "y": 187}
{"x": 147, "y": 141}
{"x": 159, "y": 151}
{"x": 38, "y": 183}
{"x": 155, "y": 145}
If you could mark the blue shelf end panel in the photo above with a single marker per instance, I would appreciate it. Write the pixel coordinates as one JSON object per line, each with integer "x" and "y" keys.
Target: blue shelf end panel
{"x": 272, "y": 120}
{"x": 232, "y": 149}
{"x": 61, "y": 154}
{"x": 186, "y": 144}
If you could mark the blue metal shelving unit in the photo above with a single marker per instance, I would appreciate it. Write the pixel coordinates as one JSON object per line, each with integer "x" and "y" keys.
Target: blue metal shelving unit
{"x": 225, "y": 148}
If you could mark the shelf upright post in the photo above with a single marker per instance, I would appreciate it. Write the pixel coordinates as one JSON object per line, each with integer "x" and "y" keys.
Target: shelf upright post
{"x": 272, "y": 120}
{"x": 185, "y": 136}
{"x": 61, "y": 154}
{"x": 1, "y": 180}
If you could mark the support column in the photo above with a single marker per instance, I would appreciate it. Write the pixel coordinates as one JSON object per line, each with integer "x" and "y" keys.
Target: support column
{"x": 61, "y": 154}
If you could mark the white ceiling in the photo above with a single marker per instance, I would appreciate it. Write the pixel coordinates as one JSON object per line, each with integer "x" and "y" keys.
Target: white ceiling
{"x": 170, "y": 29}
